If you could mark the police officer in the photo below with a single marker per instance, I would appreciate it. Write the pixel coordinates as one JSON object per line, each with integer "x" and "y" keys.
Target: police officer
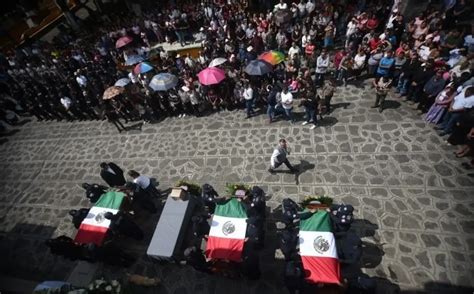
{"x": 78, "y": 216}
{"x": 294, "y": 275}
{"x": 288, "y": 242}
{"x": 94, "y": 191}
{"x": 200, "y": 226}
{"x": 255, "y": 207}
{"x": 122, "y": 224}
{"x": 208, "y": 196}
{"x": 254, "y": 236}
{"x": 139, "y": 197}
{"x": 195, "y": 258}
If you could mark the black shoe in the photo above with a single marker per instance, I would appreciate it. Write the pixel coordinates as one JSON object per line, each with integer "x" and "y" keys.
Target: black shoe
{"x": 294, "y": 170}
{"x": 374, "y": 106}
{"x": 271, "y": 170}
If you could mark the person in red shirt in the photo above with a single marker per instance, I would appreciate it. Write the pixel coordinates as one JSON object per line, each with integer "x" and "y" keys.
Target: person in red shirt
{"x": 374, "y": 42}
{"x": 338, "y": 57}
{"x": 372, "y": 22}
{"x": 309, "y": 49}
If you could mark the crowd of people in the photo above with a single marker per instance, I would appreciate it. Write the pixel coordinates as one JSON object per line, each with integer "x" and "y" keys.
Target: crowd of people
{"x": 326, "y": 43}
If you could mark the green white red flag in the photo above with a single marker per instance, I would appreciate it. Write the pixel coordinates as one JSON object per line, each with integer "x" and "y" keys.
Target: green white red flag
{"x": 227, "y": 234}
{"x": 94, "y": 227}
{"x": 318, "y": 249}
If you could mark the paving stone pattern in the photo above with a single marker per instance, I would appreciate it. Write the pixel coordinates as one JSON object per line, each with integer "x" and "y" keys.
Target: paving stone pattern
{"x": 408, "y": 189}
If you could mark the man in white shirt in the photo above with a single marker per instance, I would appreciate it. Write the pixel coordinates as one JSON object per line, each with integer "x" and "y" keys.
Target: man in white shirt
{"x": 144, "y": 182}
{"x": 281, "y": 6}
{"x": 310, "y": 6}
{"x": 462, "y": 102}
{"x": 294, "y": 49}
{"x": 279, "y": 156}
{"x": 287, "y": 104}
{"x": 248, "y": 96}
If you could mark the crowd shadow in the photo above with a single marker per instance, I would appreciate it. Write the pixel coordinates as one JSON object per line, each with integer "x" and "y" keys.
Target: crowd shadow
{"x": 391, "y": 104}
{"x": 327, "y": 121}
{"x": 340, "y": 105}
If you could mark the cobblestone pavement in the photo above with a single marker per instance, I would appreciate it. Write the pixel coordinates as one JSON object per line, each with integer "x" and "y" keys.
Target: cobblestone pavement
{"x": 411, "y": 194}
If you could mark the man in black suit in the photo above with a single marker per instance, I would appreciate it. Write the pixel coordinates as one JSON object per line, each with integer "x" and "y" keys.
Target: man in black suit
{"x": 112, "y": 174}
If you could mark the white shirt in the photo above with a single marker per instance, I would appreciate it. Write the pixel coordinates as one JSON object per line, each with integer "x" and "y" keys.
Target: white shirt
{"x": 359, "y": 61}
{"x": 281, "y": 6}
{"x": 287, "y": 100}
{"x": 461, "y": 101}
{"x": 81, "y": 80}
{"x": 248, "y": 93}
{"x": 293, "y": 51}
{"x": 322, "y": 64}
{"x": 302, "y": 8}
{"x": 133, "y": 78}
{"x": 66, "y": 102}
{"x": 310, "y": 6}
{"x": 273, "y": 159}
{"x": 142, "y": 181}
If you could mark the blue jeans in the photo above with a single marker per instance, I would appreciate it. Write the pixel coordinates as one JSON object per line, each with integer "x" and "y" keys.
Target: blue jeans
{"x": 289, "y": 114}
{"x": 311, "y": 115}
{"x": 402, "y": 86}
{"x": 271, "y": 112}
{"x": 449, "y": 120}
{"x": 249, "y": 107}
{"x": 180, "y": 37}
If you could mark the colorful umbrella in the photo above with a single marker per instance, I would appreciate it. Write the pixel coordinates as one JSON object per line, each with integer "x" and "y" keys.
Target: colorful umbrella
{"x": 111, "y": 92}
{"x": 217, "y": 61}
{"x": 134, "y": 59}
{"x": 258, "y": 68}
{"x": 123, "y": 41}
{"x": 273, "y": 57}
{"x": 142, "y": 67}
{"x": 122, "y": 82}
{"x": 163, "y": 82}
{"x": 211, "y": 76}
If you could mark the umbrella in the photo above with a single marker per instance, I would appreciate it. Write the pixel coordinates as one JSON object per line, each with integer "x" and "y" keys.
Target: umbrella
{"x": 273, "y": 57}
{"x": 134, "y": 59}
{"x": 282, "y": 16}
{"x": 111, "y": 92}
{"x": 258, "y": 68}
{"x": 123, "y": 41}
{"x": 211, "y": 76}
{"x": 217, "y": 61}
{"x": 142, "y": 67}
{"x": 163, "y": 82}
{"x": 122, "y": 82}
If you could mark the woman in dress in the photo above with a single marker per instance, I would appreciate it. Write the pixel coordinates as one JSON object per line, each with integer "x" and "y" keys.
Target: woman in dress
{"x": 442, "y": 102}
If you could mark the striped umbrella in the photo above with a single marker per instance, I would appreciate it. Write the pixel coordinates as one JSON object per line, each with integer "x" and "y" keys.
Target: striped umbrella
{"x": 134, "y": 59}
{"x": 163, "y": 82}
{"x": 123, "y": 41}
{"x": 273, "y": 57}
{"x": 142, "y": 67}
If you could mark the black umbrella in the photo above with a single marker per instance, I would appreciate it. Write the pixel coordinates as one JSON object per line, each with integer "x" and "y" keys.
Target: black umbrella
{"x": 258, "y": 68}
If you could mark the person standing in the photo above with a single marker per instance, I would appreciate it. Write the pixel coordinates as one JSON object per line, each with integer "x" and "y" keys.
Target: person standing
{"x": 144, "y": 182}
{"x": 248, "y": 96}
{"x": 287, "y": 104}
{"x": 112, "y": 174}
{"x": 381, "y": 87}
{"x": 279, "y": 157}
{"x": 310, "y": 105}
{"x": 322, "y": 64}
{"x": 326, "y": 95}
{"x": 271, "y": 103}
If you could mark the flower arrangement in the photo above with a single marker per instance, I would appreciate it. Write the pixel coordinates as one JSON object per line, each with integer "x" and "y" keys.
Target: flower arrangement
{"x": 193, "y": 188}
{"x": 323, "y": 200}
{"x": 100, "y": 286}
{"x": 232, "y": 188}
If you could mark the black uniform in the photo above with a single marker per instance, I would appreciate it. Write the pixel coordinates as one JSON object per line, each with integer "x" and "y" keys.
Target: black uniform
{"x": 78, "y": 216}
{"x": 94, "y": 191}
{"x": 121, "y": 223}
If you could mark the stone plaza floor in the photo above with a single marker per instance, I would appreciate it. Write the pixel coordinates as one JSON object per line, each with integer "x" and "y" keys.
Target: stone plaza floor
{"x": 413, "y": 199}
